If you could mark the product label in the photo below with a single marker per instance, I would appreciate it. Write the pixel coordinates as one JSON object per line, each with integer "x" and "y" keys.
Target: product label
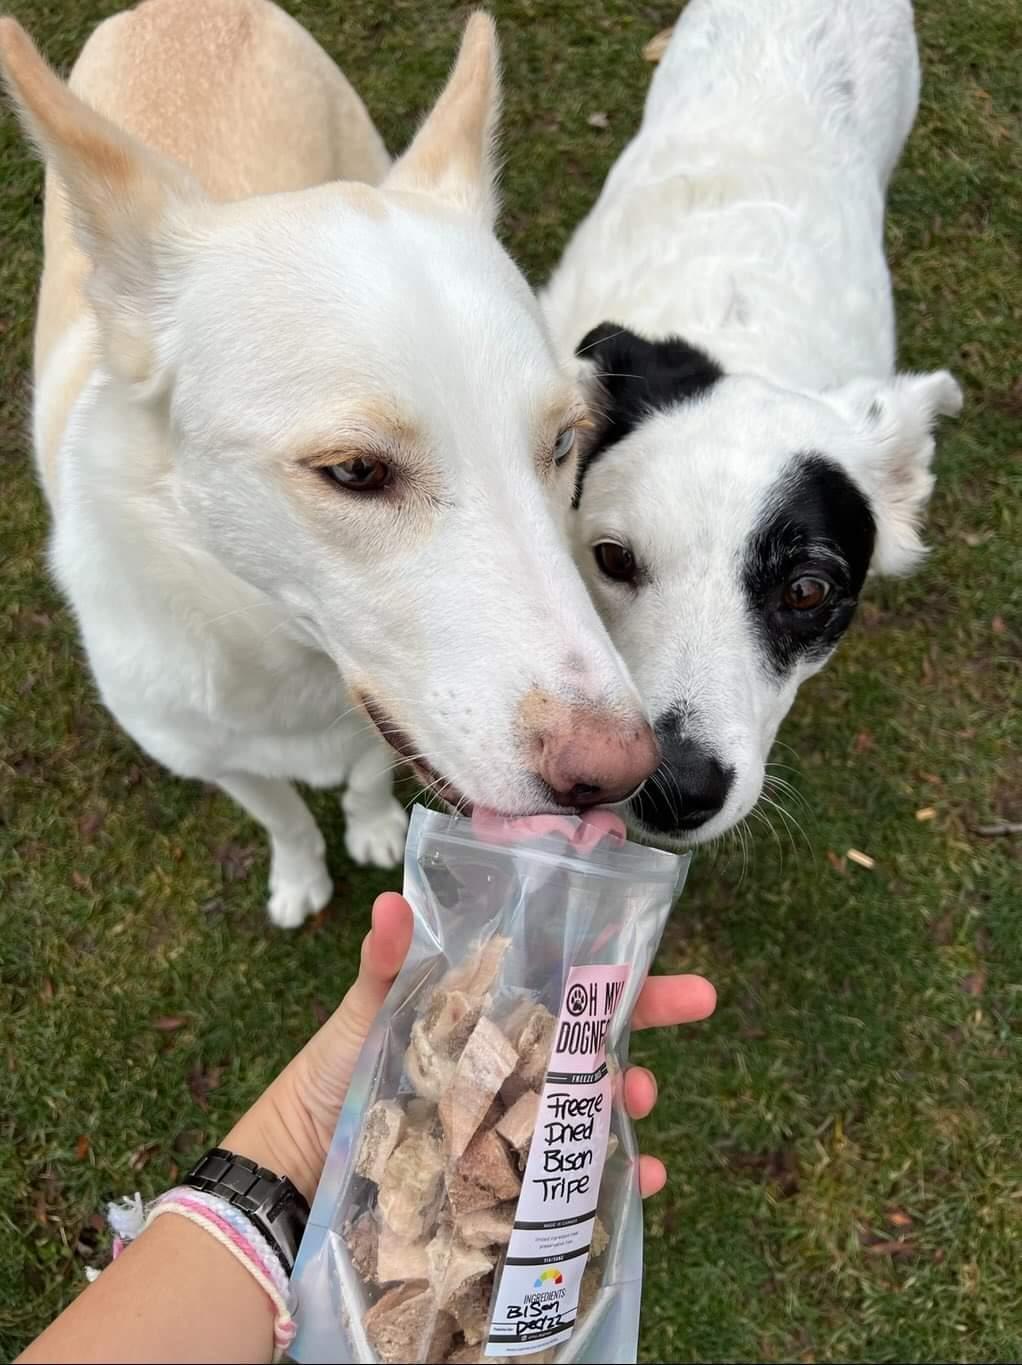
{"x": 537, "y": 1298}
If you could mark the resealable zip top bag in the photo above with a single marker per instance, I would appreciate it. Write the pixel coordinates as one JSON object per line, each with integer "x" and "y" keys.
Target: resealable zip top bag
{"x": 480, "y": 1197}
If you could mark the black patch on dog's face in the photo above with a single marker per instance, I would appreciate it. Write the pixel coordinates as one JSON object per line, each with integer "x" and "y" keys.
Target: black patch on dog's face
{"x": 639, "y": 377}
{"x": 817, "y": 525}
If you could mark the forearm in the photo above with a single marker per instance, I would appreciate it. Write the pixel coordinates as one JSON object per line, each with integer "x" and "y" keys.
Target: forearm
{"x": 176, "y": 1294}
{"x": 173, "y": 1295}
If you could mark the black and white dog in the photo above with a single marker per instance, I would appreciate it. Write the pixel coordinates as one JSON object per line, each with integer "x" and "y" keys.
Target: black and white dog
{"x": 757, "y": 456}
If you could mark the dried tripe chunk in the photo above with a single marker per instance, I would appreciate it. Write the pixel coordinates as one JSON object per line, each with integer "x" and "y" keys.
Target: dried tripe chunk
{"x": 452, "y": 1265}
{"x": 476, "y": 975}
{"x": 437, "y": 1040}
{"x": 487, "y": 1227}
{"x": 383, "y": 1129}
{"x": 519, "y": 1123}
{"x": 404, "y": 1324}
{"x": 530, "y": 1029}
{"x": 470, "y": 1308}
{"x": 410, "y": 1188}
{"x": 483, "y": 1177}
{"x": 485, "y": 1063}
{"x": 399, "y": 1258}
{"x": 362, "y": 1238}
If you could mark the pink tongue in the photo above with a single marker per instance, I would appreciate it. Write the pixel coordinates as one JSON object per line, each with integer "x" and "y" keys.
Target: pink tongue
{"x": 594, "y": 826}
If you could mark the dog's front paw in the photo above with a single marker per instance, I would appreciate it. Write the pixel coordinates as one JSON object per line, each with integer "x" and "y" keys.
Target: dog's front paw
{"x": 299, "y": 884}
{"x": 378, "y": 840}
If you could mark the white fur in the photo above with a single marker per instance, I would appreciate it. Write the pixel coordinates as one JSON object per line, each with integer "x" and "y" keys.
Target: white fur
{"x": 746, "y": 216}
{"x": 231, "y": 599}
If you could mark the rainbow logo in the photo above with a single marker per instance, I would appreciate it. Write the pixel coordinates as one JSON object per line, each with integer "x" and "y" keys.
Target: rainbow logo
{"x": 550, "y": 1276}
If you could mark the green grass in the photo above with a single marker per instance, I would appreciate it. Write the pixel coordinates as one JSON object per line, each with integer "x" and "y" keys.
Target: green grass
{"x": 846, "y": 1177}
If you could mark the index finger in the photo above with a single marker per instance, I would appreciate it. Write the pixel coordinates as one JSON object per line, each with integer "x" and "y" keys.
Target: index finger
{"x": 668, "y": 1000}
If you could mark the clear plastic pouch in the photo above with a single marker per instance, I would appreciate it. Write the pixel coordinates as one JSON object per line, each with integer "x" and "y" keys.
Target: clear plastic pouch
{"x": 480, "y": 1198}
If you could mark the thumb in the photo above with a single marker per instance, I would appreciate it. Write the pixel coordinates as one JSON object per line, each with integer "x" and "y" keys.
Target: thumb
{"x": 322, "y": 1070}
{"x": 383, "y": 951}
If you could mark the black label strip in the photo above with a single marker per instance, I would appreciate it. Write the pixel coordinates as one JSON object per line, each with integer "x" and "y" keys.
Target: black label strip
{"x": 547, "y": 1260}
{"x": 556, "y": 1223}
{"x": 576, "y": 1077}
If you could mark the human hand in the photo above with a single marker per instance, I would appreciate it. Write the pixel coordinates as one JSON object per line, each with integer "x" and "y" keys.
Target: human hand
{"x": 290, "y": 1127}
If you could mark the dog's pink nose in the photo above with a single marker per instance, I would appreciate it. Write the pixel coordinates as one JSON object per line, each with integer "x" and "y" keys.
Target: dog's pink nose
{"x": 588, "y": 756}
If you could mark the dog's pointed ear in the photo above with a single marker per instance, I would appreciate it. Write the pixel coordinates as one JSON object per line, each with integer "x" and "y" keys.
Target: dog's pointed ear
{"x": 893, "y": 458}
{"x": 452, "y": 157}
{"x": 121, "y": 195}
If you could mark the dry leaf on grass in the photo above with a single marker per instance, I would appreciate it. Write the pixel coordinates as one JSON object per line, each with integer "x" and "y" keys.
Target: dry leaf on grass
{"x": 975, "y": 983}
{"x": 598, "y": 120}
{"x": 927, "y": 813}
{"x": 169, "y": 1023}
{"x": 890, "y": 1248}
{"x": 855, "y": 855}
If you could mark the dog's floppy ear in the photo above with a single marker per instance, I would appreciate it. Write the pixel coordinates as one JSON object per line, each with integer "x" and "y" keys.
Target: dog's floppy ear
{"x": 635, "y": 377}
{"x": 895, "y": 423}
{"x": 452, "y": 156}
{"x": 122, "y": 198}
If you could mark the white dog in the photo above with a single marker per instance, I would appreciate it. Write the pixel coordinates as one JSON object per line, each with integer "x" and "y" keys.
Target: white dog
{"x": 288, "y": 428}
{"x": 757, "y": 454}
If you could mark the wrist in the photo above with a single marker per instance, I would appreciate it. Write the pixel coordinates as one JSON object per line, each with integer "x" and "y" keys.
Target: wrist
{"x": 276, "y": 1133}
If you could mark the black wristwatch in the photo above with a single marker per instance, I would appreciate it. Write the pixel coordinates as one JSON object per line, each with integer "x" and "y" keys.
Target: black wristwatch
{"x": 270, "y": 1201}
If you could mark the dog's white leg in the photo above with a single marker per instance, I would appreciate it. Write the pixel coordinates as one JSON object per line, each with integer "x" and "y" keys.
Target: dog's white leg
{"x": 376, "y": 821}
{"x": 299, "y": 882}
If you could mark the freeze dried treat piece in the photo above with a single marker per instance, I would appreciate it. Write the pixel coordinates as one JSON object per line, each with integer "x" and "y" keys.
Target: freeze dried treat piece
{"x": 531, "y": 1029}
{"x": 470, "y": 1308}
{"x": 397, "y": 1258}
{"x": 487, "y": 1060}
{"x": 469, "y": 1354}
{"x": 384, "y": 1128}
{"x": 601, "y": 1239}
{"x": 421, "y": 1116}
{"x": 487, "y": 1227}
{"x": 494, "y": 1114}
{"x": 518, "y": 1124}
{"x": 403, "y": 1324}
{"x": 452, "y": 1265}
{"x": 410, "y": 1188}
{"x": 592, "y": 1282}
{"x": 449, "y": 1019}
{"x": 483, "y": 1177}
{"x": 430, "y": 1069}
{"x": 476, "y": 975}
{"x": 362, "y": 1237}
{"x": 466, "y": 1354}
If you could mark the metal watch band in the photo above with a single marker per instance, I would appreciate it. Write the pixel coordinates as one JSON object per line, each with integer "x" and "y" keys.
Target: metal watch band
{"x": 272, "y": 1203}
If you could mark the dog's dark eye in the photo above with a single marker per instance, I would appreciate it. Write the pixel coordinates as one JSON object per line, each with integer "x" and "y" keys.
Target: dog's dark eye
{"x": 564, "y": 445}
{"x": 806, "y": 593}
{"x": 363, "y": 474}
{"x": 615, "y": 561}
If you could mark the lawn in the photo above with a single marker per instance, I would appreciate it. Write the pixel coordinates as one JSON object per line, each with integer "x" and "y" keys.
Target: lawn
{"x": 846, "y": 1172}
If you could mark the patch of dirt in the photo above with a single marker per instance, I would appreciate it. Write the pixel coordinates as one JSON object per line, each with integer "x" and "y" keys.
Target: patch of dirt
{"x": 778, "y": 1168}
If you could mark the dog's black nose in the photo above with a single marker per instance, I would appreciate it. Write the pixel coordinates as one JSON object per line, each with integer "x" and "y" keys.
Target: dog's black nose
{"x": 689, "y": 787}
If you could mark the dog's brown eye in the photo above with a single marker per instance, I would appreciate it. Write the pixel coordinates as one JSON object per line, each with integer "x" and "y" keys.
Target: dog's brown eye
{"x": 806, "y": 593}
{"x": 614, "y": 560}
{"x": 362, "y": 474}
